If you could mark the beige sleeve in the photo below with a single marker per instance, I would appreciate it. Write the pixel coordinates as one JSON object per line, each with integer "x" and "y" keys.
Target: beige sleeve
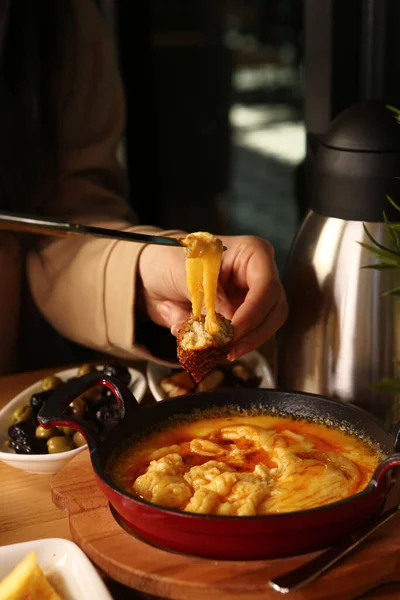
{"x": 86, "y": 287}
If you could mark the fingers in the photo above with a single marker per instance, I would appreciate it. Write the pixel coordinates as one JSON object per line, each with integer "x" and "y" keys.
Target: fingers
{"x": 249, "y": 293}
{"x": 274, "y": 319}
{"x": 261, "y": 298}
{"x": 257, "y": 275}
{"x": 224, "y": 305}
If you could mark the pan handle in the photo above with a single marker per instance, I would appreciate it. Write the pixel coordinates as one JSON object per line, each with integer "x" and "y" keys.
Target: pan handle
{"x": 52, "y": 413}
{"x": 387, "y": 465}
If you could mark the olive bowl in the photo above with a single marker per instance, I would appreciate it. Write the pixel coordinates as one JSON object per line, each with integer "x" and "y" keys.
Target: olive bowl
{"x": 49, "y": 463}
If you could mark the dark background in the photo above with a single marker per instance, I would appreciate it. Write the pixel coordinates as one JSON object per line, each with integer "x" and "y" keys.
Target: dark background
{"x": 222, "y": 93}
{"x": 221, "y": 96}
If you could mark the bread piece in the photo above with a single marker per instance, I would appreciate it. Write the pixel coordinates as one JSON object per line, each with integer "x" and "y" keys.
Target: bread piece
{"x": 200, "y": 352}
{"x": 179, "y": 384}
{"x": 172, "y": 391}
{"x": 211, "y": 381}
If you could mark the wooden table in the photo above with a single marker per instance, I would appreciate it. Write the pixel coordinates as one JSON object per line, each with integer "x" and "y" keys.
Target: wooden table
{"x": 27, "y": 512}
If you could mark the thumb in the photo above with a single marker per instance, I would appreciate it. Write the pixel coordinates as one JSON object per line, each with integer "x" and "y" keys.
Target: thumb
{"x": 224, "y": 305}
{"x": 173, "y": 315}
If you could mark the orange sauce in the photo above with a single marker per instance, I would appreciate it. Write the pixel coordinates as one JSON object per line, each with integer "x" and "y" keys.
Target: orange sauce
{"x": 320, "y": 451}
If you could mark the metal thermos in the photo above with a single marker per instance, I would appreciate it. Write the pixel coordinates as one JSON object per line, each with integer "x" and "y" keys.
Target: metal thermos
{"x": 343, "y": 334}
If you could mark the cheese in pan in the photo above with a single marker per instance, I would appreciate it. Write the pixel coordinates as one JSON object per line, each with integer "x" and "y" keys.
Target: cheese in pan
{"x": 246, "y": 465}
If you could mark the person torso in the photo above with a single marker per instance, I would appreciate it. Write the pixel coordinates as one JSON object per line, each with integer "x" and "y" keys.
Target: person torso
{"x": 11, "y": 261}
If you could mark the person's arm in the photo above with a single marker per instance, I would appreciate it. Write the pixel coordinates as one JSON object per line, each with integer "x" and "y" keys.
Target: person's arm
{"x": 86, "y": 287}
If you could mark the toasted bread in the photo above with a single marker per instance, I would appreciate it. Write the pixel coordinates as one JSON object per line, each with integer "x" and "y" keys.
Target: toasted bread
{"x": 198, "y": 351}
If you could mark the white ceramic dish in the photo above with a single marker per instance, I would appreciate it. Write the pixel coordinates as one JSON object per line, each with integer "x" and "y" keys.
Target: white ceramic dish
{"x": 50, "y": 463}
{"x": 68, "y": 570}
{"x": 156, "y": 373}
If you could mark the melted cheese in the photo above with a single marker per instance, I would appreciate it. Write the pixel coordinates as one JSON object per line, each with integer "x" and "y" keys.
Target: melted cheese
{"x": 203, "y": 262}
{"x": 246, "y": 465}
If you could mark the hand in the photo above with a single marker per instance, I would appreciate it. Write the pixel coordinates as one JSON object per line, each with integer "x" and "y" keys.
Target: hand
{"x": 249, "y": 292}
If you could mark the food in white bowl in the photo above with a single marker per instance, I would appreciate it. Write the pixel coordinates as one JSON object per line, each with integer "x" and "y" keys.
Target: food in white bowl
{"x": 252, "y": 370}
{"x": 27, "y": 580}
{"x": 26, "y": 445}
{"x": 64, "y": 565}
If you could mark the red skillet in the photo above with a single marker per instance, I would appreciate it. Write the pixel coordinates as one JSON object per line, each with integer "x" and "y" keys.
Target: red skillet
{"x": 234, "y": 538}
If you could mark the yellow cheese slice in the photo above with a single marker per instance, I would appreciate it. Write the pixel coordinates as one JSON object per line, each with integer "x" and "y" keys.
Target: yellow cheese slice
{"x": 27, "y": 581}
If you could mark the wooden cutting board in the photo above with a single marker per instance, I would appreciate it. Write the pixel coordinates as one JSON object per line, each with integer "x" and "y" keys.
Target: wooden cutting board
{"x": 140, "y": 566}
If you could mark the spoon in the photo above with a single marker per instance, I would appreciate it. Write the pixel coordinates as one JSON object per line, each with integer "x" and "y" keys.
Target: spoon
{"x": 314, "y": 568}
{"x": 44, "y": 226}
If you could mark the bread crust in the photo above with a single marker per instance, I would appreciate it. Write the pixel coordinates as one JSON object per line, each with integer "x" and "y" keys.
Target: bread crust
{"x": 200, "y": 361}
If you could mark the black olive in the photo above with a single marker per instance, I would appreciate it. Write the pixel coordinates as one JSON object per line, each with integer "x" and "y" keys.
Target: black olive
{"x": 21, "y": 431}
{"x": 39, "y": 399}
{"x": 118, "y": 371}
{"x": 29, "y": 445}
{"x": 107, "y": 414}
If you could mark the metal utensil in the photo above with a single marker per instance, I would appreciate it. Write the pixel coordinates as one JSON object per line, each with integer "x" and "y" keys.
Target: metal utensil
{"x": 43, "y": 226}
{"x": 311, "y": 570}
{"x": 342, "y": 335}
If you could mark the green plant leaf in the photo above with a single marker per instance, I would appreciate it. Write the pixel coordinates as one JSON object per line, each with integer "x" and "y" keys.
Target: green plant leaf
{"x": 395, "y": 226}
{"x": 392, "y": 202}
{"x": 393, "y": 109}
{"x": 385, "y": 256}
{"x": 388, "y": 386}
{"x": 394, "y": 292}
{"x": 380, "y": 266}
{"x": 378, "y": 245}
{"x": 392, "y": 233}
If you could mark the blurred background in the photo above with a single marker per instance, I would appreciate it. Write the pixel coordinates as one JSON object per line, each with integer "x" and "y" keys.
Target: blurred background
{"x": 222, "y": 94}
{"x": 215, "y": 129}
{"x": 223, "y": 98}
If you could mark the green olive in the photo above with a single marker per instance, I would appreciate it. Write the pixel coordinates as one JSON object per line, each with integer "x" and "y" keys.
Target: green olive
{"x": 78, "y": 407}
{"x": 78, "y": 439}
{"x": 60, "y": 443}
{"x": 22, "y": 413}
{"x": 85, "y": 369}
{"x": 64, "y": 431}
{"x": 51, "y": 383}
{"x": 45, "y": 434}
{"x": 68, "y": 431}
{"x": 93, "y": 395}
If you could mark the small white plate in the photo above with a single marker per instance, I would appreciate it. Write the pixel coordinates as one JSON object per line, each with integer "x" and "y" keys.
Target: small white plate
{"x": 50, "y": 463}
{"x": 68, "y": 569}
{"x": 258, "y": 364}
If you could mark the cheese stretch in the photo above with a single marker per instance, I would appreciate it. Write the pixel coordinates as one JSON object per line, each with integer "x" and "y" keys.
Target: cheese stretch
{"x": 203, "y": 262}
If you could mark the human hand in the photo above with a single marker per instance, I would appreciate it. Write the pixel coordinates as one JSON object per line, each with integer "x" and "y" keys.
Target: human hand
{"x": 249, "y": 290}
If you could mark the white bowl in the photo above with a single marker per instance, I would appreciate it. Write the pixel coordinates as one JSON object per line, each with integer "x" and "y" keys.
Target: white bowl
{"x": 256, "y": 361}
{"x": 50, "y": 463}
{"x": 68, "y": 569}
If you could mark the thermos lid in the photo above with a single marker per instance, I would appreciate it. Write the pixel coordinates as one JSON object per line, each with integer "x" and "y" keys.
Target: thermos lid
{"x": 357, "y": 163}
